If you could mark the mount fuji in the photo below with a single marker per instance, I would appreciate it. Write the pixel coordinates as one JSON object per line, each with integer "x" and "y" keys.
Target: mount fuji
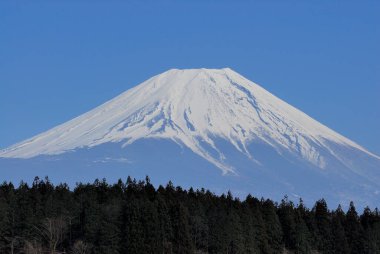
{"x": 209, "y": 128}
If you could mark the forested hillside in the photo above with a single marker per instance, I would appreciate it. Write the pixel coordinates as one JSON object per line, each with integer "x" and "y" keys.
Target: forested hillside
{"x": 134, "y": 217}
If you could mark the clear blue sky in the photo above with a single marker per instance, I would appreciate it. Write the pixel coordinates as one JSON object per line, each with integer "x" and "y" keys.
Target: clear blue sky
{"x": 59, "y": 59}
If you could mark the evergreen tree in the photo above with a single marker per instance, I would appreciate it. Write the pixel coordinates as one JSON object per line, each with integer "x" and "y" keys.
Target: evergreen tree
{"x": 218, "y": 236}
{"x": 250, "y": 231}
{"x": 354, "y": 231}
{"x": 151, "y": 226}
{"x": 374, "y": 246}
{"x": 273, "y": 226}
{"x": 133, "y": 231}
{"x": 181, "y": 230}
{"x": 7, "y": 237}
{"x": 108, "y": 230}
{"x": 199, "y": 225}
{"x": 323, "y": 226}
{"x": 259, "y": 225}
{"x": 303, "y": 238}
{"x": 165, "y": 226}
{"x": 136, "y": 218}
{"x": 340, "y": 244}
{"x": 288, "y": 221}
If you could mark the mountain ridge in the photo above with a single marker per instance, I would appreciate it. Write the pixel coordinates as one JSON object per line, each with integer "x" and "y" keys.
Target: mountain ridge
{"x": 220, "y": 116}
{"x": 21, "y": 145}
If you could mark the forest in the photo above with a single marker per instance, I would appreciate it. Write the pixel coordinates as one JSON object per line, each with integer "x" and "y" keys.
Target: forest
{"x": 133, "y": 216}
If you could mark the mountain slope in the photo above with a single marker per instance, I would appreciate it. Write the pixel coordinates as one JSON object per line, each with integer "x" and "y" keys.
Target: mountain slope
{"x": 225, "y": 119}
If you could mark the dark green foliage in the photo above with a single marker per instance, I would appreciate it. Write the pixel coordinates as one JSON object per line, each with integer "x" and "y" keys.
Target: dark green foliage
{"x": 303, "y": 237}
{"x": 339, "y": 237}
{"x": 286, "y": 213}
{"x": 273, "y": 229}
{"x": 133, "y": 217}
{"x": 354, "y": 231}
{"x": 323, "y": 226}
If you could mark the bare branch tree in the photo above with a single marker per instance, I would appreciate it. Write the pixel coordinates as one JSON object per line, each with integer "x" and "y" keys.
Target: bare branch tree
{"x": 52, "y": 231}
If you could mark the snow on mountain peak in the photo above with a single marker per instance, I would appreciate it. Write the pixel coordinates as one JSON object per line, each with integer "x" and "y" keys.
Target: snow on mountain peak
{"x": 194, "y": 108}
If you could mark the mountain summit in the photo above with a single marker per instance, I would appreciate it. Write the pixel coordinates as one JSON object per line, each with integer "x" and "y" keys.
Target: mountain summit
{"x": 192, "y": 122}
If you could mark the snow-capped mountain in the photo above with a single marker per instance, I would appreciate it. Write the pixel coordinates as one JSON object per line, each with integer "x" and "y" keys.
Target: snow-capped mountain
{"x": 222, "y": 121}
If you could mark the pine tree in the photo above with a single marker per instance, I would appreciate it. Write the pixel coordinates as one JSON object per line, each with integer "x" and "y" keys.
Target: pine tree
{"x": 151, "y": 225}
{"x": 250, "y": 231}
{"x": 261, "y": 238}
{"x": 235, "y": 232}
{"x": 354, "y": 231}
{"x": 218, "y": 236}
{"x": 132, "y": 228}
{"x": 6, "y": 234}
{"x": 136, "y": 218}
{"x": 303, "y": 237}
{"x": 108, "y": 230}
{"x": 181, "y": 230}
{"x": 323, "y": 226}
{"x": 199, "y": 225}
{"x": 340, "y": 244}
{"x": 165, "y": 226}
{"x": 375, "y": 234}
{"x": 288, "y": 221}
{"x": 272, "y": 225}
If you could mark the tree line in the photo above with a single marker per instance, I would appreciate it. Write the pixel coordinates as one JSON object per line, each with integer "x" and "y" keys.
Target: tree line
{"x": 135, "y": 217}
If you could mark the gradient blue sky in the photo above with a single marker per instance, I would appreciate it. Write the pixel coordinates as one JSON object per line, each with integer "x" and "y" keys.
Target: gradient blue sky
{"x": 59, "y": 59}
